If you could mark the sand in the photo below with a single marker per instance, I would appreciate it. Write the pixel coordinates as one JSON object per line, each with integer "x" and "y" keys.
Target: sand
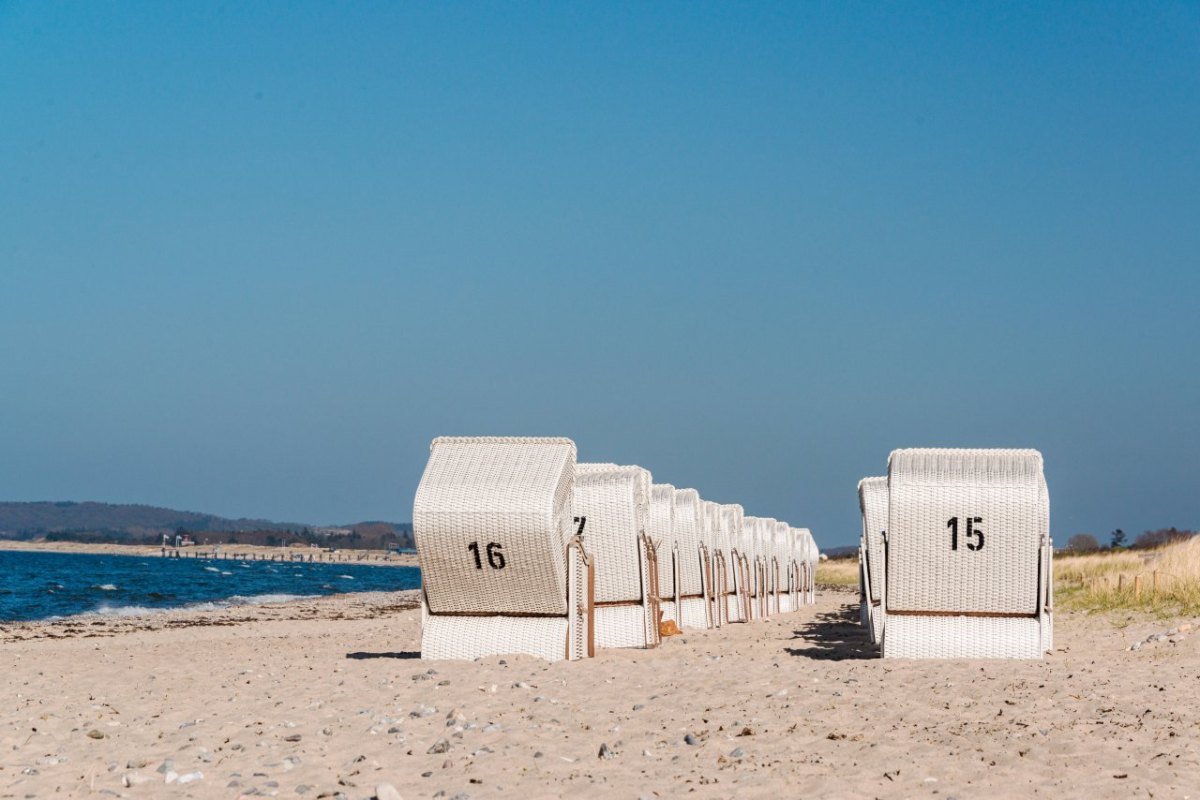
{"x": 328, "y": 698}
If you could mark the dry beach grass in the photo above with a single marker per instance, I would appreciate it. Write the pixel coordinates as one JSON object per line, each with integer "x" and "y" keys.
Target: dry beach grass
{"x": 328, "y": 698}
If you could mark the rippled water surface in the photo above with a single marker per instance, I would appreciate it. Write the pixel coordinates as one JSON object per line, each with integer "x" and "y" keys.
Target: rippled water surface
{"x": 45, "y": 585}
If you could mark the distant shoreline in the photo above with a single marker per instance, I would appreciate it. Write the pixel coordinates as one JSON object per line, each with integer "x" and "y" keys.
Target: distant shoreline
{"x": 382, "y": 558}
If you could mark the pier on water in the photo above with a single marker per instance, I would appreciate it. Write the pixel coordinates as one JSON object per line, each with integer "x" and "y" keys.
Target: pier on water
{"x": 307, "y": 558}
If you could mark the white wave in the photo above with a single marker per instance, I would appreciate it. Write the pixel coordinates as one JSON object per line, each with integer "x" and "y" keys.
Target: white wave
{"x": 211, "y": 569}
{"x": 106, "y": 587}
{"x": 346, "y": 577}
{"x": 226, "y": 573}
{"x": 106, "y": 610}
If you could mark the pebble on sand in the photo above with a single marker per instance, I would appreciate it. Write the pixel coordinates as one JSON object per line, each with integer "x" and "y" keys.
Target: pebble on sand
{"x": 385, "y": 791}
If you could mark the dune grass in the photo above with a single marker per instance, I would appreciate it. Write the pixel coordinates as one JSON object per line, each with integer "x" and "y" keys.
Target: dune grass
{"x": 842, "y": 572}
{"x": 1163, "y": 581}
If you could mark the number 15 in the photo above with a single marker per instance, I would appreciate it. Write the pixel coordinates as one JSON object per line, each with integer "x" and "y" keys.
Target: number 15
{"x": 972, "y": 533}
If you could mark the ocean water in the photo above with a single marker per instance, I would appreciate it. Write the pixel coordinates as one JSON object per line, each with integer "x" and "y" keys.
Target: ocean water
{"x": 35, "y": 586}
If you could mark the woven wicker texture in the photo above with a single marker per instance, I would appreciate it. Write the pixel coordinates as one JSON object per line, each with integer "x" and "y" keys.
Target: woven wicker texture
{"x": 783, "y": 558}
{"x": 483, "y": 499}
{"x": 939, "y": 501}
{"x": 612, "y": 505}
{"x": 873, "y": 501}
{"x": 615, "y": 503}
{"x": 692, "y": 614}
{"x": 962, "y": 637}
{"x": 662, "y": 533}
{"x": 476, "y": 637}
{"x": 711, "y": 537}
{"x": 621, "y": 626}
{"x": 687, "y": 540}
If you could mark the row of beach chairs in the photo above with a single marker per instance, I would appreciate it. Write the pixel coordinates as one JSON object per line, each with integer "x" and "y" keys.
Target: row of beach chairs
{"x": 955, "y": 559}
{"x": 522, "y": 550}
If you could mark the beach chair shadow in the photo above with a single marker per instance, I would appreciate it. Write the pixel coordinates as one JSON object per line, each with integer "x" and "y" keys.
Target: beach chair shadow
{"x": 404, "y": 654}
{"x": 834, "y": 636}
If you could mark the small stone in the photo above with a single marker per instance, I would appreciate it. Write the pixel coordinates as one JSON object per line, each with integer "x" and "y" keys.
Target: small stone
{"x": 166, "y": 766}
{"x": 295, "y": 737}
{"x": 191, "y": 777}
{"x": 385, "y": 791}
{"x": 638, "y": 707}
{"x": 539, "y": 754}
{"x": 135, "y": 763}
{"x": 131, "y": 779}
{"x": 605, "y": 752}
{"x": 440, "y": 746}
{"x": 171, "y": 776}
{"x": 443, "y": 683}
{"x": 327, "y": 731}
{"x": 737, "y": 752}
{"x": 1135, "y": 646}
{"x": 303, "y": 788}
{"x": 691, "y": 740}
{"x": 95, "y": 734}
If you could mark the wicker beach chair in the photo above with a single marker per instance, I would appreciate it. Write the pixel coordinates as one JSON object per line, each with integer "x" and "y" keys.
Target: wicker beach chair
{"x": 873, "y": 503}
{"x": 754, "y": 568}
{"x": 736, "y": 595}
{"x": 771, "y": 564}
{"x": 502, "y": 567}
{"x": 967, "y": 555}
{"x": 662, "y": 534}
{"x": 811, "y": 555}
{"x": 611, "y": 508}
{"x": 784, "y": 590}
{"x": 800, "y": 545}
{"x": 710, "y": 537}
{"x": 693, "y": 598}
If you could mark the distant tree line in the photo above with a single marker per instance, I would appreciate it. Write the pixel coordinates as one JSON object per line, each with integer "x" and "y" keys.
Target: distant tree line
{"x": 365, "y": 537}
{"x": 1086, "y": 542}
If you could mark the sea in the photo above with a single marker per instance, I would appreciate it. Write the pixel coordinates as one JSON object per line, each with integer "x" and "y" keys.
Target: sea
{"x": 46, "y": 586}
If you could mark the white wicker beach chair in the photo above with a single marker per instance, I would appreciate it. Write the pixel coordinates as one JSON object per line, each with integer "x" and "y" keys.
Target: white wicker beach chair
{"x": 754, "y": 569}
{"x": 502, "y": 568}
{"x": 710, "y": 537}
{"x": 611, "y": 509}
{"x": 873, "y": 502}
{"x": 800, "y": 543}
{"x": 766, "y": 543}
{"x": 662, "y": 533}
{"x": 811, "y": 555}
{"x": 967, "y": 553}
{"x": 693, "y": 599}
{"x": 783, "y": 554}
{"x": 737, "y": 594}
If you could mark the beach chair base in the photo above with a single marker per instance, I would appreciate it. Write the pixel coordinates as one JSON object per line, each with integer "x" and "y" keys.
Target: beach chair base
{"x": 911, "y": 636}
{"x": 621, "y": 626}
{"x": 455, "y": 637}
{"x": 692, "y": 613}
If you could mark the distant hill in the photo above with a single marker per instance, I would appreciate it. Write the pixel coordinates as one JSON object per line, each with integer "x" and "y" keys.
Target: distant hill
{"x": 137, "y": 523}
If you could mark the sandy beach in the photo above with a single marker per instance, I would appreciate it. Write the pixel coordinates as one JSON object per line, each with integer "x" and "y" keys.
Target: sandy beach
{"x": 328, "y": 698}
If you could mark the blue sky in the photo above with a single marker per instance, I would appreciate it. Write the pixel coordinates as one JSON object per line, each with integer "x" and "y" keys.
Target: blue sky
{"x": 253, "y": 257}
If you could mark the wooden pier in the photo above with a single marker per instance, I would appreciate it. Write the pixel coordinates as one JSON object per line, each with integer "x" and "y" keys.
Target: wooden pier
{"x": 321, "y": 557}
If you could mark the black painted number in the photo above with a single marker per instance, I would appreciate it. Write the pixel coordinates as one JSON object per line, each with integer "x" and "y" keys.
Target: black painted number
{"x": 495, "y": 555}
{"x": 582, "y": 521}
{"x": 974, "y": 536}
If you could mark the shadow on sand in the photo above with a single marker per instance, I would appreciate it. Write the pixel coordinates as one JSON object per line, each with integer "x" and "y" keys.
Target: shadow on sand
{"x": 406, "y": 654}
{"x": 834, "y": 636}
